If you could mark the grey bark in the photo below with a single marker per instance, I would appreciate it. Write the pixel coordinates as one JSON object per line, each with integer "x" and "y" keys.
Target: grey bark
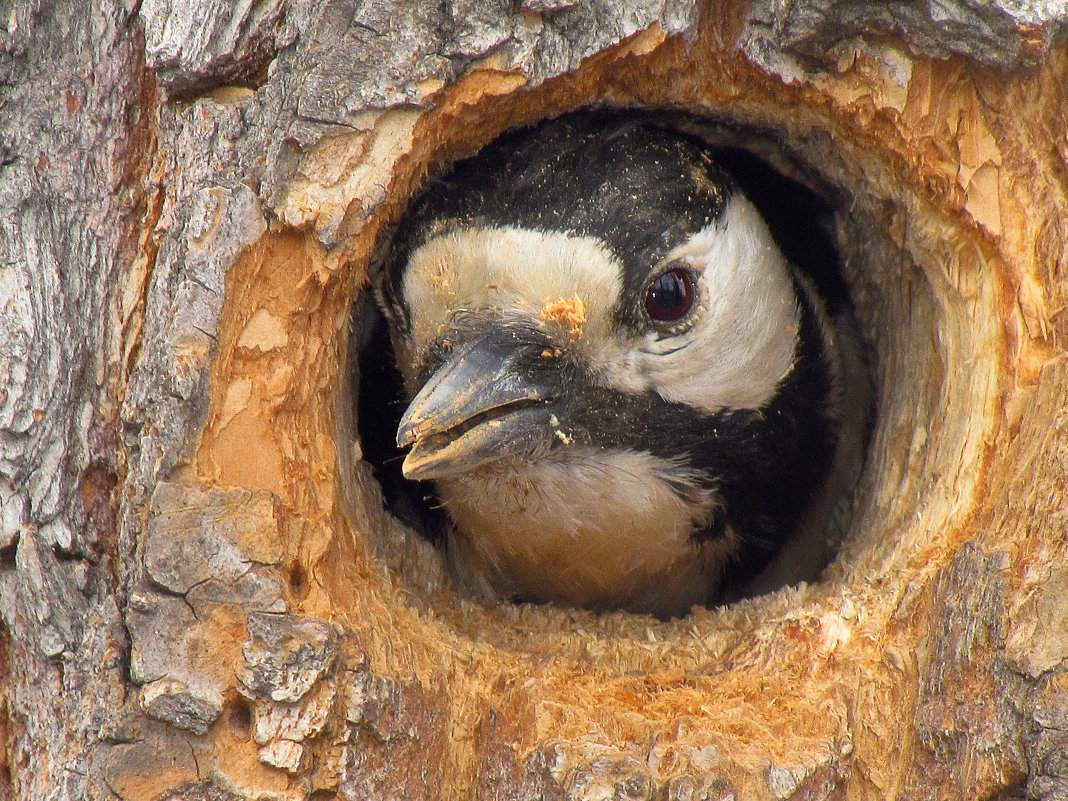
{"x": 1008, "y": 36}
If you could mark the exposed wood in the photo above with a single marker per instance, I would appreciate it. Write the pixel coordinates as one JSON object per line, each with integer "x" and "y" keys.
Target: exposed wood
{"x": 201, "y": 593}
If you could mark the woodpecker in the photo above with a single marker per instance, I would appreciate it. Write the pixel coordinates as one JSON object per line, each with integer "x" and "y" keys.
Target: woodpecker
{"x": 624, "y": 395}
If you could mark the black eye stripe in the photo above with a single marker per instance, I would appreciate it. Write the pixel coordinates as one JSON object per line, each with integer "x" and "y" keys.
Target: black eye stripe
{"x": 670, "y": 296}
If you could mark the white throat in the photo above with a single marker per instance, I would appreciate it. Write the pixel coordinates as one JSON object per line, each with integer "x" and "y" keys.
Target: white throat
{"x": 594, "y": 529}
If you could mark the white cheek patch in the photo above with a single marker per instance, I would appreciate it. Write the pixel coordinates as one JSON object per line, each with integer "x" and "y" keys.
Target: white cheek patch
{"x": 742, "y": 340}
{"x": 518, "y": 271}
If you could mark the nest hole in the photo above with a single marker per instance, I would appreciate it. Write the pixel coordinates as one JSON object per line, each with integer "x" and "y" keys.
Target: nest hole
{"x": 239, "y": 716}
{"x": 819, "y": 225}
{"x": 297, "y": 578}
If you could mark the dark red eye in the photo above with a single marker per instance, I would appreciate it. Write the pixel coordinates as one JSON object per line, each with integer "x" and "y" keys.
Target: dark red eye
{"x": 670, "y": 296}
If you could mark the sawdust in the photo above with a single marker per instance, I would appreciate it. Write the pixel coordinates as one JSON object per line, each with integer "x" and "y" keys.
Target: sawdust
{"x": 571, "y": 312}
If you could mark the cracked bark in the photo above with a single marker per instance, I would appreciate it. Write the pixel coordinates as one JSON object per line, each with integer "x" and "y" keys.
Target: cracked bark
{"x": 201, "y": 595}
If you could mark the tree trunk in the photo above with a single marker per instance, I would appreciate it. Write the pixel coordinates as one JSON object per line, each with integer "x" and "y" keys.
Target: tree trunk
{"x": 202, "y": 596}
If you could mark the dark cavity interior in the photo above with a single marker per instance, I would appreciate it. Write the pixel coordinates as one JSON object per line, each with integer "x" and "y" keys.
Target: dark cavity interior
{"x": 380, "y": 403}
{"x": 803, "y": 224}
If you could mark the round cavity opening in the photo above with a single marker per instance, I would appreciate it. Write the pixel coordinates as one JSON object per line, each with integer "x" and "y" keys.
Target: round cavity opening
{"x": 813, "y": 223}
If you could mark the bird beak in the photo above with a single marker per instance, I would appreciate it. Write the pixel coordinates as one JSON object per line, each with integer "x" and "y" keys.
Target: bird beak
{"x": 488, "y": 401}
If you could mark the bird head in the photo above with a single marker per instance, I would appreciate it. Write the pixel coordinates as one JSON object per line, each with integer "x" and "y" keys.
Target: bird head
{"x": 585, "y": 269}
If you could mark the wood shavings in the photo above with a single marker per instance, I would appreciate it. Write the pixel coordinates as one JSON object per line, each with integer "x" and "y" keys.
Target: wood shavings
{"x": 571, "y": 312}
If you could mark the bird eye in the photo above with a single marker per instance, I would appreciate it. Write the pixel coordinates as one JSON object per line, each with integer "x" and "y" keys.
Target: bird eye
{"x": 670, "y": 296}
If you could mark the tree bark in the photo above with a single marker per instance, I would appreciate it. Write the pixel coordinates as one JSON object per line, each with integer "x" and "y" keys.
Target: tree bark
{"x": 202, "y": 597}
